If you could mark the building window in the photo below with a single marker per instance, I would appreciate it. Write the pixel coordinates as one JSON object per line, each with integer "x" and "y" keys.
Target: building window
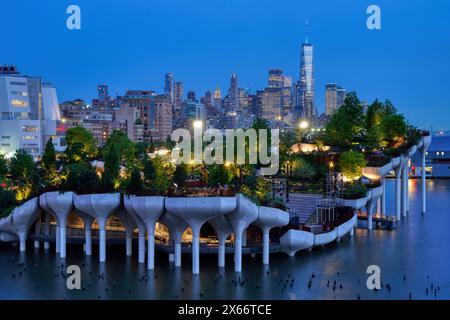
{"x": 19, "y": 103}
{"x": 30, "y": 129}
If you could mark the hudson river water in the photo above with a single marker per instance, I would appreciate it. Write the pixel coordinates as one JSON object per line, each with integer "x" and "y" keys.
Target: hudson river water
{"x": 412, "y": 258}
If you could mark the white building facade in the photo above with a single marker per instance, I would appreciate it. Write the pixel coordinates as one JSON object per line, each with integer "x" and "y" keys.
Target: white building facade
{"x": 29, "y": 114}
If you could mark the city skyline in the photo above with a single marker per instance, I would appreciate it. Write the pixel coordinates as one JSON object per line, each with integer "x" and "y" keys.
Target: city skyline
{"x": 376, "y": 64}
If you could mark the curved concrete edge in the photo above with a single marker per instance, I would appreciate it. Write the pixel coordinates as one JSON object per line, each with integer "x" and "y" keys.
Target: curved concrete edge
{"x": 321, "y": 239}
{"x": 7, "y": 237}
{"x": 376, "y": 193}
{"x": 356, "y": 204}
{"x": 395, "y": 162}
{"x": 412, "y": 151}
{"x": 271, "y": 218}
{"x": 98, "y": 206}
{"x": 295, "y": 240}
{"x": 377, "y": 173}
{"x": 20, "y": 220}
{"x": 426, "y": 140}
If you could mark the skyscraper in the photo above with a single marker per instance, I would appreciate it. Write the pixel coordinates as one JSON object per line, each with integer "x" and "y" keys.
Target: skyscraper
{"x": 305, "y": 88}
{"x": 168, "y": 86}
{"x": 218, "y": 100}
{"x": 102, "y": 90}
{"x": 334, "y": 97}
{"x": 233, "y": 93}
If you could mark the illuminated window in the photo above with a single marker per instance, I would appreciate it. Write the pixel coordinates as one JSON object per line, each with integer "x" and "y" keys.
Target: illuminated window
{"x": 19, "y": 103}
{"x": 30, "y": 129}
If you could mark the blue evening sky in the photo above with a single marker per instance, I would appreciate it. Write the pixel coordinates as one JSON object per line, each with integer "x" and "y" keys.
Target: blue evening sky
{"x": 132, "y": 44}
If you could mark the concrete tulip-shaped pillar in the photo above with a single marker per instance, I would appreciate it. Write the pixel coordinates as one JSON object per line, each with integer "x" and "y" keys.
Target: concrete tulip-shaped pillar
{"x": 425, "y": 144}
{"x": 129, "y": 225}
{"x": 195, "y": 211}
{"x": 223, "y": 229}
{"x": 404, "y": 190}
{"x": 269, "y": 218}
{"x": 245, "y": 213}
{"x": 88, "y": 235}
{"x": 37, "y": 231}
{"x": 176, "y": 227}
{"x": 49, "y": 213}
{"x": 21, "y": 219}
{"x": 127, "y": 203}
{"x": 375, "y": 195}
{"x": 99, "y": 207}
{"x": 60, "y": 204}
{"x": 46, "y": 230}
{"x": 149, "y": 209}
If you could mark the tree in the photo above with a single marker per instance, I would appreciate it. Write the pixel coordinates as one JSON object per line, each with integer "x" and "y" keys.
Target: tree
{"x": 7, "y": 202}
{"x": 22, "y": 165}
{"x": 111, "y": 173}
{"x": 81, "y": 178}
{"x": 149, "y": 172}
{"x": 302, "y": 169}
{"x": 135, "y": 184}
{"x": 218, "y": 174}
{"x": 49, "y": 161}
{"x": 119, "y": 143}
{"x": 351, "y": 164}
{"x": 3, "y": 167}
{"x": 394, "y": 128}
{"x": 346, "y": 124}
{"x": 80, "y": 144}
{"x": 180, "y": 175}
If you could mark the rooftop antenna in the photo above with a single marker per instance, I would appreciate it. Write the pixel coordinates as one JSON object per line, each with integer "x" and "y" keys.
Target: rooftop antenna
{"x": 306, "y": 30}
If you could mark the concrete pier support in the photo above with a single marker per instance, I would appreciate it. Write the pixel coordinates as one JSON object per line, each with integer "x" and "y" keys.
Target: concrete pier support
{"x": 127, "y": 203}
{"x": 22, "y": 241}
{"x": 177, "y": 245}
{"x": 404, "y": 189}
{"x": 149, "y": 209}
{"x": 88, "y": 237}
{"x": 129, "y": 242}
{"x": 151, "y": 247}
{"x": 195, "y": 211}
{"x": 223, "y": 229}
{"x": 63, "y": 231}
{"x": 266, "y": 245}
{"x": 37, "y": 231}
{"x": 57, "y": 238}
{"x": 369, "y": 209}
{"x": 245, "y": 213}
{"x": 101, "y": 221}
{"x": 46, "y": 230}
{"x": 398, "y": 193}
{"x": 99, "y": 207}
{"x": 423, "y": 152}
{"x": 141, "y": 247}
{"x": 269, "y": 218}
{"x": 60, "y": 204}
{"x": 383, "y": 198}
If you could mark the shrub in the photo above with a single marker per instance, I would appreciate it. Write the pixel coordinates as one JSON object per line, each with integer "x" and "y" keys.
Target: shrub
{"x": 7, "y": 202}
{"x": 302, "y": 169}
{"x": 351, "y": 164}
{"x": 355, "y": 191}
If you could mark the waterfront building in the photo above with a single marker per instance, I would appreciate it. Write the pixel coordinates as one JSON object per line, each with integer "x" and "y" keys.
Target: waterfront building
{"x": 437, "y": 159}
{"x": 334, "y": 98}
{"x": 29, "y": 112}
